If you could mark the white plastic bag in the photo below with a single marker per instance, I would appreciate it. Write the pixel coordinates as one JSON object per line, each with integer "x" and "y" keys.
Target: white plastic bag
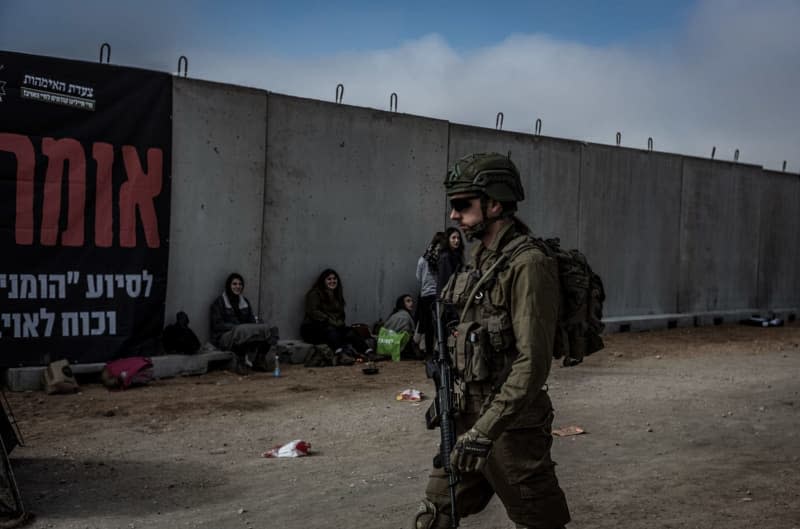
{"x": 296, "y": 448}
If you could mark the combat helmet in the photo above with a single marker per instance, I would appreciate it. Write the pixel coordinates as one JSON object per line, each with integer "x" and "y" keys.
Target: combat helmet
{"x": 492, "y": 174}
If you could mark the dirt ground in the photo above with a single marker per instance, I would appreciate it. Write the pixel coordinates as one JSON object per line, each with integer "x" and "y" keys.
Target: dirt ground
{"x": 686, "y": 428}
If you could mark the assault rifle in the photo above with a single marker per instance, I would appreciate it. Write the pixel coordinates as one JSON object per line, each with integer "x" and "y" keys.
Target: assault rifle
{"x": 441, "y": 413}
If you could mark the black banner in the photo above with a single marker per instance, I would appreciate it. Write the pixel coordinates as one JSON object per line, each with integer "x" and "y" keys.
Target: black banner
{"x": 84, "y": 209}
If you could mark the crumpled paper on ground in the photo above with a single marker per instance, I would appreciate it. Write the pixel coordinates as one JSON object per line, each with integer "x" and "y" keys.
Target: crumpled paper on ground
{"x": 568, "y": 430}
{"x": 296, "y": 448}
{"x": 410, "y": 394}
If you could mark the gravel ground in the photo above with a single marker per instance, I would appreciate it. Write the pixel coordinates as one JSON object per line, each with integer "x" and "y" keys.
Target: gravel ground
{"x": 686, "y": 428}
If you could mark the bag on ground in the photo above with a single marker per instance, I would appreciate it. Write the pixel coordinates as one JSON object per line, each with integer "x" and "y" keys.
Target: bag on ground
{"x": 127, "y": 372}
{"x": 391, "y": 343}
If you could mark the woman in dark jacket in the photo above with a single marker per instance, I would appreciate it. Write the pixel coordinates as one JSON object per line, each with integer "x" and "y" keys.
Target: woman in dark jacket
{"x": 234, "y": 326}
{"x": 451, "y": 257}
{"x": 324, "y": 321}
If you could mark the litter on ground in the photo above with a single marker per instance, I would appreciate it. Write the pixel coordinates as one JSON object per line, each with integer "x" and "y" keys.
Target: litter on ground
{"x": 296, "y": 448}
{"x": 410, "y": 394}
{"x": 568, "y": 430}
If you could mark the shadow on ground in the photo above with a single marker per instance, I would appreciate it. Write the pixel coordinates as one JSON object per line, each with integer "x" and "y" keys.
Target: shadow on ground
{"x": 55, "y": 487}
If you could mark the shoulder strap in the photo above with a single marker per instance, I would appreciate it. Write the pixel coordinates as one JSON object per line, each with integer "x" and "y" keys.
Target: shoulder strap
{"x": 516, "y": 244}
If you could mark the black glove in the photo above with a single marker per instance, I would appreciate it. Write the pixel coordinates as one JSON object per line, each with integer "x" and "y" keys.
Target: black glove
{"x": 470, "y": 451}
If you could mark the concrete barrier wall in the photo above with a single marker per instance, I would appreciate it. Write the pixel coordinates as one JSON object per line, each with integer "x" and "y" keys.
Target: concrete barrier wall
{"x": 720, "y": 225}
{"x": 629, "y": 220}
{"x": 779, "y": 255}
{"x": 550, "y": 170}
{"x": 349, "y": 188}
{"x": 278, "y": 188}
{"x": 218, "y": 141}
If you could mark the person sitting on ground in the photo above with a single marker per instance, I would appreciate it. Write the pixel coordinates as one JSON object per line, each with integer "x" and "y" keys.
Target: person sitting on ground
{"x": 234, "y": 326}
{"x": 402, "y": 320}
{"x": 324, "y": 321}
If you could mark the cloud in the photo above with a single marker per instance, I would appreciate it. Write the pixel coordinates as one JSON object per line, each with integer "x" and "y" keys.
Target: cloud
{"x": 729, "y": 79}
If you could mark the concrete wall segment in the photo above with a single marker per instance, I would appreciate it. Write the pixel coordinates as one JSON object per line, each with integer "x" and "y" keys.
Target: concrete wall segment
{"x": 720, "y": 214}
{"x": 354, "y": 189}
{"x": 779, "y": 252}
{"x": 629, "y": 220}
{"x": 219, "y": 138}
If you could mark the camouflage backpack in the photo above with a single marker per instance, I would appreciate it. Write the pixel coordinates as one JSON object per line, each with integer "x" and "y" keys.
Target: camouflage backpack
{"x": 582, "y": 295}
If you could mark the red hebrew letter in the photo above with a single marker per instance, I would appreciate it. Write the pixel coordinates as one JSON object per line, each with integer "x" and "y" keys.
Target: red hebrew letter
{"x": 22, "y": 147}
{"x": 103, "y": 154}
{"x": 59, "y": 152}
{"x": 139, "y": 191}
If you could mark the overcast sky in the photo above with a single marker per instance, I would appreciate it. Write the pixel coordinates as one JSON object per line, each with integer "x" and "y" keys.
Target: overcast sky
{"x": 689, "y": 74}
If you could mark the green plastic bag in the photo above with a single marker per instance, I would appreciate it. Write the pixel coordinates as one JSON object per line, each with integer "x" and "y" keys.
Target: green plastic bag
{"x": 391, "y": 343}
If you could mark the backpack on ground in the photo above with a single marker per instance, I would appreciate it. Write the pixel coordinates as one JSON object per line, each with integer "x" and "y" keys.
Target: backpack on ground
{"x": 127, "y": 372}
{"x": 179, "y": 338}
{"x": 580, "y": 316}
{"x": 320, "y": 355}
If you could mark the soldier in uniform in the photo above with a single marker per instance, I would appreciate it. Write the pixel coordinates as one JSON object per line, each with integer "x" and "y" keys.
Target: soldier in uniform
{"x": 501, "y": 355}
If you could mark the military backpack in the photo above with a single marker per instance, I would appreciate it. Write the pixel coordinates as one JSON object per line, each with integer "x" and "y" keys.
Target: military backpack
{"x": 580, "y": 316}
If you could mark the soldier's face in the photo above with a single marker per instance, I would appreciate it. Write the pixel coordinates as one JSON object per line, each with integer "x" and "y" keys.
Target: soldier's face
{"x": 465, "y": 209}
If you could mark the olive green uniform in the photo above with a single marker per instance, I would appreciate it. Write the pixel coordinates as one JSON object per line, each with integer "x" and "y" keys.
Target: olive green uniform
{"x": 502, "y": 356}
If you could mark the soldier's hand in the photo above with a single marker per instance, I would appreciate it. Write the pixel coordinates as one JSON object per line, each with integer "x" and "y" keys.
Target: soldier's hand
{"x": 470, "y": 451}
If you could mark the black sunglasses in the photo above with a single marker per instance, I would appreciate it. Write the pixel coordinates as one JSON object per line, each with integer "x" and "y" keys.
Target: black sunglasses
{"x": 462, "y": 203}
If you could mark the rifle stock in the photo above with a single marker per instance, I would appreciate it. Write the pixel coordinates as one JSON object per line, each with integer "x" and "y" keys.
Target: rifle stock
{"x": 442, "y": 412}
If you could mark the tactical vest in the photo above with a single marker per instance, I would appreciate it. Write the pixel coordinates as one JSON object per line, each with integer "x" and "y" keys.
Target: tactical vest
{"x": 483, "y": 346}
{"x": 483, "y": 349}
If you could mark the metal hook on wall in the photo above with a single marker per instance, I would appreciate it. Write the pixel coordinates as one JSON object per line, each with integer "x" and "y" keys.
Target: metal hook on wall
{"x": 619, "y": 138}
{"x": 650, "y": 144}
{"x": 393, "y": 102}
{"x": 736, "y": 155}
{"x": 537, "y": 129}
{"x": 713, "y": 151}
{"x": 784, "y": 166}
{"x": 498, "y": 122}
{"x": 339, "y": 92}
{"x": 185, "y": 61}
{"x": 105, "y": 46}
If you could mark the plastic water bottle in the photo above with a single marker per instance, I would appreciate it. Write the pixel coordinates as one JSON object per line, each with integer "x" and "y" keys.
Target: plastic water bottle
{"x": 277, "y": 371}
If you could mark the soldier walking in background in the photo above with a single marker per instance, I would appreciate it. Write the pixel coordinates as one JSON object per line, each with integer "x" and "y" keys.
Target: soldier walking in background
{"x": 508, "y": 301}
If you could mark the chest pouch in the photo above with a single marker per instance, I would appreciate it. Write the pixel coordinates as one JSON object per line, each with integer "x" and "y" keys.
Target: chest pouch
{"x": 501, "y": 332}
{"x": 470, "y": 352}
{"x": 462, "y": 286}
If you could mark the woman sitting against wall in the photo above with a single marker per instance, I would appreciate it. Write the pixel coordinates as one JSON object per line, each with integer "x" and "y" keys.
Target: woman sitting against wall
{"x": 402, "y": 320}
{"x": 324, "y": 321}
{"x": 235, "y": 327}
